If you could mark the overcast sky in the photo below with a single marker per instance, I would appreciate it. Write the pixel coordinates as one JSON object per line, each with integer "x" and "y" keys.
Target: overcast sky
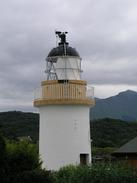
{"x": 104, "y": 32}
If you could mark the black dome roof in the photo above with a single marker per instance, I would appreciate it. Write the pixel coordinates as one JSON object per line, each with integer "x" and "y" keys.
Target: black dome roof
{"x": 60, "y": 51}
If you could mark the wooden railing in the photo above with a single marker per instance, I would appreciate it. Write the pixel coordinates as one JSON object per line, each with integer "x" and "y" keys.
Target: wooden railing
{"x": 64, "y": 91}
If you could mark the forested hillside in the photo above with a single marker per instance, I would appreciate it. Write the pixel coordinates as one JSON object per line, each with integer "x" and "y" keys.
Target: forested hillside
{"x": 16, "y": 124}
{"x": 111, "y": 132}
{"x": 104, "y": 132}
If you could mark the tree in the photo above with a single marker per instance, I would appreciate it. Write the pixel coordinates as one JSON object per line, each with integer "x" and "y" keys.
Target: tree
{"x": 22, "y": 156}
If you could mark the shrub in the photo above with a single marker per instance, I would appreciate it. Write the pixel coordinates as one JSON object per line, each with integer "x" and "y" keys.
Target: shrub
{"x": 34, "y": 176}
{"x": 74, "y": 174}
{"x": 22, "y": 156}
{"x": 100, "y": 173}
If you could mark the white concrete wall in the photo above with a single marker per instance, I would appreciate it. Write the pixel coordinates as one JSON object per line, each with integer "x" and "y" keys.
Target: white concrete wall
{"x": 64, "y": 135}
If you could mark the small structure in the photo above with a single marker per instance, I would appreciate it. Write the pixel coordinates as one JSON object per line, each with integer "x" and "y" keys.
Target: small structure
{"x": 64, "y": 101}
{"x": 127, "y": 152}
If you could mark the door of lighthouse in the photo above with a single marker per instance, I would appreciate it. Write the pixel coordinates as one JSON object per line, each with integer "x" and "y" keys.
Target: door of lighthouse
{"x": 84, "y": 159}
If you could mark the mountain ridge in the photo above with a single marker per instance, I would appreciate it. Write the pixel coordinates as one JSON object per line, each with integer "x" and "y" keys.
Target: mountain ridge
{"x": 121, "y": 106}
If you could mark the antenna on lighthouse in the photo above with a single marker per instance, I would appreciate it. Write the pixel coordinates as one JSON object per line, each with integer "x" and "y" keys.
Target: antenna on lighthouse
{"x": 62, "y": 37}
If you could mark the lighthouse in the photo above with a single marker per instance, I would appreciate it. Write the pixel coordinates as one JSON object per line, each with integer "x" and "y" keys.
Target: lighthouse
{"x": 64, "y": 101}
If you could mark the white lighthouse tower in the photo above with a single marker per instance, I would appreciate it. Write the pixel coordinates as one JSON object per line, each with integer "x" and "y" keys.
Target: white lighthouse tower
{"x": 64, "y": 101}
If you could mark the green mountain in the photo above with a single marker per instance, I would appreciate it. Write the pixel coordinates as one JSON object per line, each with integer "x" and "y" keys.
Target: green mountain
{"x": 122, "y": 106}
{"x": 104, "y": 132}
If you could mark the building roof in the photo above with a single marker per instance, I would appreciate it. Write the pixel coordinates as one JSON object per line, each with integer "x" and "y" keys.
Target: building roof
{"x": 63, "y": 50}
{"x": 129, "y": 147}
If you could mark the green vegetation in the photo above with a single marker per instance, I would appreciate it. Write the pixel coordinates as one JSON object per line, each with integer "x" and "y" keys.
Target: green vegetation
{"x": 100, "y": 173}
{"x": 98, "y": 151}
{"x": 112, "y": 133}
{"x": 20, "y": 164}
{"x": 23, "y": 153}
{"x": 104, "y": 132}
{"x": 19, "y": 124}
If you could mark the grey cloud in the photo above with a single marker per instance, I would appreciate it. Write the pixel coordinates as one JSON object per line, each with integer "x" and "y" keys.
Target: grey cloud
{"x": 104, "y": 33}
